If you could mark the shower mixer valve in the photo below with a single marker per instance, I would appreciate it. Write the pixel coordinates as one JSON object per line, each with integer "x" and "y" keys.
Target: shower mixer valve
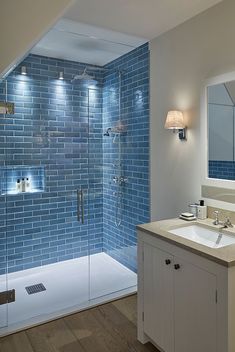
{"x": 119, "y": 180}
{"x": 115, "y": 179}
{"x": 117, "y": 164}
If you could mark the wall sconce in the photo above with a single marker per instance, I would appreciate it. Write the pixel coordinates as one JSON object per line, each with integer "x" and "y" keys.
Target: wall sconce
{"x": 61, "y": 75}
{"x": 23, "y": 70}
{"x": 175, "y": 122}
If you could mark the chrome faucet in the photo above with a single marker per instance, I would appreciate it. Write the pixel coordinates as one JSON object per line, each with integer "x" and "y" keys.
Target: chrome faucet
{"x": 216, "y": 221}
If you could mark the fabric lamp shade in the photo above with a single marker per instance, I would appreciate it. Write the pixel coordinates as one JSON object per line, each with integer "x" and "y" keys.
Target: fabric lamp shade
{"x": 174, "y": 120}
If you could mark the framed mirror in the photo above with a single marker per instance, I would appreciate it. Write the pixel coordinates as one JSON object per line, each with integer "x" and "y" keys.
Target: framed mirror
{"x": 218, "y": 131}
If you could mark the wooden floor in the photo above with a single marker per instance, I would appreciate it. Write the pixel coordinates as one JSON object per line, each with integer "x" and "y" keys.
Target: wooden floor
{"x": 108, "y": 328}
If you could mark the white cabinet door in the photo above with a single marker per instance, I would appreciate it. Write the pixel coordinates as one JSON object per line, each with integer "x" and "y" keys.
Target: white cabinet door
{"x": 158, "y": 297}
{"x": 195, "y": 308}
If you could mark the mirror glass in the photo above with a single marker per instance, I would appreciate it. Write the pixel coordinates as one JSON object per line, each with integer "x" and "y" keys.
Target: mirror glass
{"x": 221, "y": 131}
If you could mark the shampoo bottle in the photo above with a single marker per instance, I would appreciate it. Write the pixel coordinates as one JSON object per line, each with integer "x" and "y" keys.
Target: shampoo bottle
{"x": 23, "y": 185}
{"x": 28, "y": 185}
{"x": 18, "y": 186}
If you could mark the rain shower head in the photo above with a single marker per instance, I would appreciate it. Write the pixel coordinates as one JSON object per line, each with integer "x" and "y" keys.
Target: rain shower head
{"x": 84, "y": 77}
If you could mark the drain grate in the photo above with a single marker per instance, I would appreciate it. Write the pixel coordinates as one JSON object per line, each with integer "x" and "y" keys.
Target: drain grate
{"x": 35, "y": 288}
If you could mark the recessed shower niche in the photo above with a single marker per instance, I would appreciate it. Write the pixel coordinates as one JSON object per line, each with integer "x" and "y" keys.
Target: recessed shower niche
{"x": 22, "y": 179}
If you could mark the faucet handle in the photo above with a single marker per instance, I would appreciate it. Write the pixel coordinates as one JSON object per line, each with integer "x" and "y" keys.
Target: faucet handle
{"x": 216, "y": 212}
{"x": 228, "y": 222}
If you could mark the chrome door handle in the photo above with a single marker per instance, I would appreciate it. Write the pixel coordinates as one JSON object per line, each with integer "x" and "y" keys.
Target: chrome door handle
{"x": 82, "y": 205}
{"x": 78, "y": 204}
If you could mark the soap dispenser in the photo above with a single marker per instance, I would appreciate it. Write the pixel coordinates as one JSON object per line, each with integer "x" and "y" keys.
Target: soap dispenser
{"x": 202, "y": 210}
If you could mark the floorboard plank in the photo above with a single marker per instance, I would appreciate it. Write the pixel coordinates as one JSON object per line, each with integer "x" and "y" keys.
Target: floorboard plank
{"x": 53, "y": 337}
{"x": 114, "y": 321}
{"x": 16, "y": 343}
{"x": 92, "y": 335}
{"x": 128, "y": 307}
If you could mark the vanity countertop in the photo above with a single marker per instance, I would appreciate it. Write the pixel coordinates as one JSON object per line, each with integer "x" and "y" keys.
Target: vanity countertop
{"x": 224, "y": 255}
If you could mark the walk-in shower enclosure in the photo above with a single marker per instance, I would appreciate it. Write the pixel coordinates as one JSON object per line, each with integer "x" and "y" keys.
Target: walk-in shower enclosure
{"x": 71, "y": 195}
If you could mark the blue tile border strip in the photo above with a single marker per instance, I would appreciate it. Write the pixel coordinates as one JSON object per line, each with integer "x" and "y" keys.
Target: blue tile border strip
{"x": 222, "y": 169}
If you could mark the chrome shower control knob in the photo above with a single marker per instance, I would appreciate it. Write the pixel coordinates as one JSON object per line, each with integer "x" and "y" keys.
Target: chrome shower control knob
{"x": 122, "y": 180}
{"x": 115, "y": 179}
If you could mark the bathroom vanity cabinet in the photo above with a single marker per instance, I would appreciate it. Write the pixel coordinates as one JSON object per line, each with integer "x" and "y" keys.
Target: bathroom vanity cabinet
{"x": 186, "y": 303}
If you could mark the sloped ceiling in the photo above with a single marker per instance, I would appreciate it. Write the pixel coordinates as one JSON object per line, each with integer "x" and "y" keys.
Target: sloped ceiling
{"x": 76, "y": 41}
{"x": 145, "y": 19}
{"x": 231, "y": 90}
{"x": 22, "y": 24}
{"x": 97, "y": 32}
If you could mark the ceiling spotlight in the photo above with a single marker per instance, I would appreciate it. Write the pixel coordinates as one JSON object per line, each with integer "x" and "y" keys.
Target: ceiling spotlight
{"x": 61, "y": 75}
{"x": 23, "y": 70}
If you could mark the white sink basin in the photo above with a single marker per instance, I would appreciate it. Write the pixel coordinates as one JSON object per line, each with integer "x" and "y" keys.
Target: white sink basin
{"x": 202, "y": 235}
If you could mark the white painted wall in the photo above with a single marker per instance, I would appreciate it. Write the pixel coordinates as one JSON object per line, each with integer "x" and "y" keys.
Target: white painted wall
{"x": 180, "y": 61}
{"x": 22, "y": 24}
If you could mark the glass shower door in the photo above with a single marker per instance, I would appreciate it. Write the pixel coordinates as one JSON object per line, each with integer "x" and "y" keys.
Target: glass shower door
{"x": 111, "y": 254}
{"x": 3, "y": 263}
{"x": 95, "y": 211}
{"x": 3, "y": 233}
{"x": 46, "y": 149}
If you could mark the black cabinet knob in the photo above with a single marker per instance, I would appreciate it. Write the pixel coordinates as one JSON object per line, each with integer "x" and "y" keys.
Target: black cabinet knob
{"x": 167, "y": 261}
{"x": 177, "y": 266}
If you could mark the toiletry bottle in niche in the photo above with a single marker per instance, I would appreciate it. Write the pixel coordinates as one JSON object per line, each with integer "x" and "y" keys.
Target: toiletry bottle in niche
{"x": 202, "y": 210}
{"x": 23, "y": 185}
{"x": 18, "y": 186}
{"x": 27, "y": 185}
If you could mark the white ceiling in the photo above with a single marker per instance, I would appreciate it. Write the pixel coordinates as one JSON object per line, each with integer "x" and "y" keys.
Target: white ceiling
{"x": 142, "y": 18}
{"x": 80, "y": 42}
{"x": 97, "y": 32}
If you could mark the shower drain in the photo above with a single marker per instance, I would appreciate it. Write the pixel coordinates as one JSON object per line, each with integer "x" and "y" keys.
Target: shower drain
{"x": 35, "y": 288}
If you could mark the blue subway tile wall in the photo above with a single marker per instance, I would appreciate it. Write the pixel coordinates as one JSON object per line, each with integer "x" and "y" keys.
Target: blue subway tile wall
{"x": 120, "y": 242}
{"x": 222, "y": 169}
{"x": 58, "y": 128}
{"x": 50, "y": 130}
